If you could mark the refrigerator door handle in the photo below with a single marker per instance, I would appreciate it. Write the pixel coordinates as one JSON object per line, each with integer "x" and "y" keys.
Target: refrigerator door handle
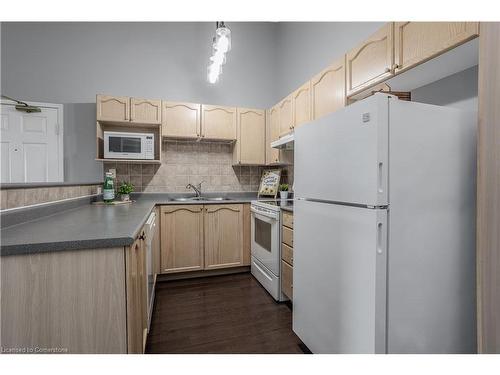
{"x": 380, "y": 242}
{"x": 380, "y": 177}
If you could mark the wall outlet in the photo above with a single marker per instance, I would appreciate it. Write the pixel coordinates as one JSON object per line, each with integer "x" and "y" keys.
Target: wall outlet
{"x": 113, "y": 172}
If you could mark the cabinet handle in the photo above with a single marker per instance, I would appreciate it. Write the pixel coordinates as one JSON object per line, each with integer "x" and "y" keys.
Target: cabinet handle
{"x": 395, "y": 66}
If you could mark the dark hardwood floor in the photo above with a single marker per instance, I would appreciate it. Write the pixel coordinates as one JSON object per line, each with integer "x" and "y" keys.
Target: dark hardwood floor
{"x": 220, "y": 314}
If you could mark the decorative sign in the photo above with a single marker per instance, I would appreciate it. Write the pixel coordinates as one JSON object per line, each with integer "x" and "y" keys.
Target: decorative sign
{"x": 270, "y": 182}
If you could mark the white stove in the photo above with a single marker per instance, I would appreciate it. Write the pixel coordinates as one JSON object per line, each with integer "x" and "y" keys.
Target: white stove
{"x": 266, "y": 244}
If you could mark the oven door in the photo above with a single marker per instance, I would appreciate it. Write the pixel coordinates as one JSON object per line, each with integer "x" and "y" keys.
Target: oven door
{"x": 123, "y": 146}
{"x": 265, "y": 240}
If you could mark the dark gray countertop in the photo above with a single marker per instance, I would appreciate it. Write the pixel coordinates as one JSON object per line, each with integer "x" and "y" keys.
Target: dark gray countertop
{"x": 90, "y": 226}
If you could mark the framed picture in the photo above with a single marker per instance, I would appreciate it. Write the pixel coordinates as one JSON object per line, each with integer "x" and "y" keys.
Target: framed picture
{"x": 269, "y": 183}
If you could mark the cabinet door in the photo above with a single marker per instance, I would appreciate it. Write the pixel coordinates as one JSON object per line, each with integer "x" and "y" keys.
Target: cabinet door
{"x": 135, "y": 302}
{"x": 251, "y": 137}
{"x": 328, "y": 90}
{"x": 302, "y": 105}
{"x": 287, "y": 280}
{"x": 371, "y": 62}
{"x": 113, "y": 108}
{"x": 181, "y": 238}
{"x": 272, "y": 134}
{"x": 145, "y": 111}
{"x": 286, "y": 116}
{"x": 417, "y": 42}
{"x": 223, "y": 236}
{"x": 156, "y": 244}
{"x": 218, "y": 122}
{"x": 181, "y": 120}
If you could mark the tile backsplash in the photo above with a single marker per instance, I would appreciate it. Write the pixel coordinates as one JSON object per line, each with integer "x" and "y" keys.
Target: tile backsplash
{"x": 185, "y": 162}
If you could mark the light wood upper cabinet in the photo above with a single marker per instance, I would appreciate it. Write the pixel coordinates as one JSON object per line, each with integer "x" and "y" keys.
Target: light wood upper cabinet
{"x": 181, "y": 120}
{"x": 181, "y": 238}
{"x": 251, "y": 137}
{"x": 417, "y": 42}
{"x": 113, "y": 108}
{"x": 145, "y": 111}
{"x": 223, "y": 236}
{"x": 302, "y": 105}
{"x": 286, "y": 115}
{"x": 272, "y": 134}
{"x": 218, "y": 122}
{"x": 328, "y": 90}
{"x": 371, "y": 62}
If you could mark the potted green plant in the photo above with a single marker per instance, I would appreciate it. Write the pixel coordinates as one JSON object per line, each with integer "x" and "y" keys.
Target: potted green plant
{"x": 284, "y": 191}
{"x": 124, "y": 190}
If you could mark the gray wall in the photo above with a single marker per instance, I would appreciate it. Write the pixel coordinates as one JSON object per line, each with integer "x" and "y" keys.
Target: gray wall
{"x": 458, "y": 90}
{"x": 70, "y": 63}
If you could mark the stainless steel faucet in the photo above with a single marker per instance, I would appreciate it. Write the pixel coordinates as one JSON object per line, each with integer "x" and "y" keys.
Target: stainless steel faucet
{"x": 197, "y": 188}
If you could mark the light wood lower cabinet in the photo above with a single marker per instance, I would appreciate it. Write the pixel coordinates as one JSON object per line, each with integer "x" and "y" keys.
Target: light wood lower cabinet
{"x": 137, "y": 303}
{"x": 417, "y": 42}
{"x": 251, "y": 137}
{"x": 181, "y": 238}
{"x": 328, "y": 90}
{"x": 287, "y": 254}
{"x": 73, "y": 300}
{"x": 197, "y": 237}
{"x": 223, "y": 236}
{"x": 371, "y": 62}
{"x": 287, "y": 279}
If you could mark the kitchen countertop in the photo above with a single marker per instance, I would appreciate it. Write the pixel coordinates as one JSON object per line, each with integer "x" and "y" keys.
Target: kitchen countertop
{"x": 91, "y": 226}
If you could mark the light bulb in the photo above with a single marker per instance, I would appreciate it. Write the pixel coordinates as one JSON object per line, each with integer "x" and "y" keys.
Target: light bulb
{"x": 223, "y": 44}
{"x": 218, "y": 58}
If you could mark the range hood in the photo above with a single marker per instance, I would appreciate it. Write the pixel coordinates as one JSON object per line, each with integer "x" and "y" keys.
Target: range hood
{"x": 284, "y": 143}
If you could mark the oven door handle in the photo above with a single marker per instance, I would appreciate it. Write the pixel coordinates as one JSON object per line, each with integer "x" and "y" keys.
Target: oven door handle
{"x": 268, "y": 218}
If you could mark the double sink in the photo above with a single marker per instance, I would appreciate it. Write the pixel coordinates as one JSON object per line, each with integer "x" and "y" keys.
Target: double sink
{"x": 191, "y": 199}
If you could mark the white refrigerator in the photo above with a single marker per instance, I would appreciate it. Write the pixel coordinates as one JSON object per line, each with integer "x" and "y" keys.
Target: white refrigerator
{"x": 384, "y": 229}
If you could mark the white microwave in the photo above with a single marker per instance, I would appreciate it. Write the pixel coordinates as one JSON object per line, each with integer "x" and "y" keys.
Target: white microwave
{"x": 127, "y": 145}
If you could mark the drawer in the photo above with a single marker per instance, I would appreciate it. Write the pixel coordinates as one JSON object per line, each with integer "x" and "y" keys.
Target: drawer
{"x": 287, "y": 280}
{"x": 288, "y": 219}
{"x": 287, "y": 254}
{"x": 287, "y": 236}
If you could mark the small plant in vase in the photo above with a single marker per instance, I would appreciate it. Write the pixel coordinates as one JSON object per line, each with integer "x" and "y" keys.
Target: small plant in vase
{"x": 284, "y": 191}
{"x": 124, "y": 190}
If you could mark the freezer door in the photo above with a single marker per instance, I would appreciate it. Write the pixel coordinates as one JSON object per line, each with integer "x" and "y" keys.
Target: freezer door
{"x": 342, "y": 157}
{"x": 339, "y": 277}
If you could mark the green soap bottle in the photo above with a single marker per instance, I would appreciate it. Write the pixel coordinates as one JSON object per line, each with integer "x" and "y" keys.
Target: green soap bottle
{"x": 108, "y": 190}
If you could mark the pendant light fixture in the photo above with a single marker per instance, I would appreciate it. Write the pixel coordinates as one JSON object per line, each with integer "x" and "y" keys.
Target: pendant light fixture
{"x": 221, "y": 45}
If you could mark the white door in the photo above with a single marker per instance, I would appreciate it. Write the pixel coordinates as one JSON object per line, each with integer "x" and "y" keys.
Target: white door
{"x": 339, "y": 277}
{"x": 31, "y": 145}
{"x": 343, "y": 156}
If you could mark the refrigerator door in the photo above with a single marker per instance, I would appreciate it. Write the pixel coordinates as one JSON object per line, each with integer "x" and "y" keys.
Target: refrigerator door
{"x": 343, "y": 157}
{"x": 339, "y": 296}
{"x": 431, "y": 280}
